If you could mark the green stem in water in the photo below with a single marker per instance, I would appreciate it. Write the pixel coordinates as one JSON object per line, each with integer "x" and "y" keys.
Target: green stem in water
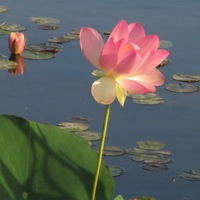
{"x": 103, "y": 136}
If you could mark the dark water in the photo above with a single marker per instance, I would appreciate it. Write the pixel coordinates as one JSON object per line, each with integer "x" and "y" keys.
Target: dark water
{"x": 52, "y": 90}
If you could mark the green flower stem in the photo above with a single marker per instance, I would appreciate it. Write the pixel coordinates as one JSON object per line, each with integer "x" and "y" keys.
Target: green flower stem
{"x": 103, "y": 136}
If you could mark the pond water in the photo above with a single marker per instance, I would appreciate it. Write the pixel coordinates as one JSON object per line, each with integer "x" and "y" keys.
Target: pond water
{"x": 52, "y": 90}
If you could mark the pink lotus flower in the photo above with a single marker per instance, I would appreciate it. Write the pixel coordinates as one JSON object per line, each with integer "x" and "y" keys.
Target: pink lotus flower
{"x": 126, "y": 62}
{"x": 17, "y": 42}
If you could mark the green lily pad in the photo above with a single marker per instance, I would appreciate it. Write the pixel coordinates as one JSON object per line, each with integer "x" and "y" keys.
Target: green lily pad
{"x": 80, "y": 119}
{"x": 156, "y": 167}
{"x": 182, "y": 87}
{"x": 48, "y": 27}
{"x": 44, "y": 47}
{"x": 150, "y": 145}
{"x": 161, "y": 153}
{"x": 3, "y": 9}
{"x": 32, "y": 55}
{"x": 73, "y": 34}
{"x": 186, "y": 77}
{"x": 12, "y": 27}
{"x": 152, "y": 101}
{"x": 73, "y": 126}
{"x": 190, "y": 175}
{"x": 146, "y": 158}
{"x": 89, "y": 135}
{"x": 7, "y": 64}
{"x": 113, "y": 151}
{"x": 142, "y": 96}
{"x": 58, "y": 40}
{"x": 163, "y": 44}
{"x": 116, "y": 170}
{"x": 44, "y": 20}
{"x": 135, "y": 150}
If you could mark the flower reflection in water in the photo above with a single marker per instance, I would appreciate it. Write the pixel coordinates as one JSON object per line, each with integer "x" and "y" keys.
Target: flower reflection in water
{"x": 20, "y": 69}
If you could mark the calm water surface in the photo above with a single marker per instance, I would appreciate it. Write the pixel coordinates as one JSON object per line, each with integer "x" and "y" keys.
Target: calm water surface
{"x": 52, "y": 90}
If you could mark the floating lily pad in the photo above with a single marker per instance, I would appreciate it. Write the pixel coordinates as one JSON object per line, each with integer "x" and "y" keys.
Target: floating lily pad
{"x": 89, "y": 135}
{"x": 107, "y": 33}
{"x": 186, "y": 77}
{"x": 135, "y": 150}
{"x": 113, "y": 151}
{"x": 143, "y": 198}
{"x": 48, "y": 27}
{"x": 182, "y": 87}
{"x": 163, "y": 63}
{"x": 151, "y": 98}
{"x": 163, "y": 44}
{"x": 161, "y": 153}
{"x": 80, "y": 119}
{"x": 150, "y": 145}
{"x": 2, "y": 32}
{"x": 153, "y": 101}
{"x": 7, "y": 64}
{"x": 156, "y": 167}
{"x": 73, "y": 126}
{"x": 190, "y": 175}
{"x": 59, "y": 40}
{"x": 73, "y": 34}
{"x": 142, "y": 96}
{"x": 44, "y": 47}
{"x": 71, "y": 37}
{"x": 44, "y": 20}
{"x": 3, "y": 9}
{"x": 12, "y": 27}
{"x": 116, "y": 171}
{"x": 37, "y": 55}
{"x": 146, "y": 158}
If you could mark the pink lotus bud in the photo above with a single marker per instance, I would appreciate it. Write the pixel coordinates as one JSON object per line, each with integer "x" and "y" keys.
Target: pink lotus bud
{"x": 17, "y": 42}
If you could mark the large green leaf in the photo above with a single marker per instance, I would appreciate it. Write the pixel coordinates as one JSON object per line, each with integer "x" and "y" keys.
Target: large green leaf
{"x": 43, "y": 162}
